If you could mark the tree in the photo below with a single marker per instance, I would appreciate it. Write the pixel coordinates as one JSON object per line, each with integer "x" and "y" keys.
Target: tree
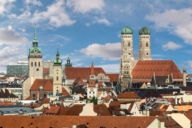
{"x": 93, "y": 100}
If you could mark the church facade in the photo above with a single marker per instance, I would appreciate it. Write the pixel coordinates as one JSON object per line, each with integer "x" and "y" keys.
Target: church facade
{"x": 44, "y": 78}
{"x": 145, "y": 70}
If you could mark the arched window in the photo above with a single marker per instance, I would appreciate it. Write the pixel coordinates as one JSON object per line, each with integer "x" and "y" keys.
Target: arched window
{"x": 31, "y": 64}
{"x": 146, "y": 44}
{"x": 57, "y": 78}
{"x": 39, "y": 64}
{"x": 129, "y": 44}
{"x": 35, "y": 64}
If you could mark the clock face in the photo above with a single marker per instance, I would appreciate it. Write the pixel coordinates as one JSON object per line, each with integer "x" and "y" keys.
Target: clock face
{"x": 37, "y": 69}
{"x": 35, "y": 50}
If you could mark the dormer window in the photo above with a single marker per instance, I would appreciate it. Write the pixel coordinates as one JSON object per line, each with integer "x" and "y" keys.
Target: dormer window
{"x": 92, "y": 77}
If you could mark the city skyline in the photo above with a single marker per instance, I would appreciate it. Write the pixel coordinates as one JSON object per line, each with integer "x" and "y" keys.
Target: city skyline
{"x": 89, "y": 31}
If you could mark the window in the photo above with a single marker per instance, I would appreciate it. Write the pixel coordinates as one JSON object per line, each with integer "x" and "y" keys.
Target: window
{"x": 45, "y": 95}
{"x": 57, "y": 78}
{"x": 146, "y": 44}
{"x": 129, "y": 44}
{"x": 35, "y": 64}
{"x": 31, "y": 64}
{"x": 39, "y": 64}
{"x": 33, "y": 95}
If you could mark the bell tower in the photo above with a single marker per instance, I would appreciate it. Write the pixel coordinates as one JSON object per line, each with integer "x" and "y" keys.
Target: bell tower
{"x": 35, "y": 60}
{"x": 144, "y": 44}
{"x": 35, "y": 67}
{"x": 57, "y": 75}
{"x": 127, "y": 58}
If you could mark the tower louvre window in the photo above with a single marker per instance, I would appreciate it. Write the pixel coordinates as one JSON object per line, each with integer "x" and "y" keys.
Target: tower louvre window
{"x": 129, "y": 44}
{"x": 39, "y": 64}
{"x": 57, "y": 78}
{"x": 31, "y": 63}
{"x": 146, "y": 44}
{"x": 35, "y": 64}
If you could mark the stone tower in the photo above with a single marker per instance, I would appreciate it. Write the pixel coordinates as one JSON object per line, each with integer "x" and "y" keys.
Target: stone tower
{"x": 127, "y": 58}
{"x": 35, "y": 67}
{"x": 57, "y": 75}
{"x": 35, "y": 60}
{"x": 144, "y": 44}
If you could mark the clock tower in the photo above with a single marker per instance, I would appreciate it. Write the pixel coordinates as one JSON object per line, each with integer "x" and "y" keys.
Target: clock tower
{"x": 57, "y": 75}
{"x": 35, "y": 60}
{"x": 35, "y": 67}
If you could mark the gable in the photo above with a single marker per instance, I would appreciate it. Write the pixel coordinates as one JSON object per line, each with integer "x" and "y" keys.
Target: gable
{"x": 46, "y": 83}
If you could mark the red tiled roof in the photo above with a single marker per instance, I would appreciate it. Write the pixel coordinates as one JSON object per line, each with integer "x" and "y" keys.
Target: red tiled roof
{"x": 102, "y": 110}
{"x": 78, "y": 80}
{"x": 6, "y": 103}
{"x": 146, "y": 68}
{"x": 75, "y": 110}
{"x": 113, "y": 77}
{"x": 64, "y": 92}
{"x": 128, "y": 95}
{"x": 83, "y": 72}
{"x": 45, "y": 100}
{"x": 68, "y": 121}
{"x": 46, "y": 83}
{"x": 53, "y": 110}
{"x": 62, "y": 110}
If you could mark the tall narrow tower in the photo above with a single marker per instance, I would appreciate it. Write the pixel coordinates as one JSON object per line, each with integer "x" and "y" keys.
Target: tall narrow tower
{"x": 57, "y": 75}
{"x": 144, "y": 44}
{"x": 35, "y": 60}
{"x": 35, "y": 66}
{"x": 127, "y": 58}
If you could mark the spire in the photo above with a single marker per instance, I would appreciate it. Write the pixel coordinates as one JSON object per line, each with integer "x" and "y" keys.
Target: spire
{"x": 57, "y": 54}
{"x": 35, "y": 31}
{"x": 184, "y": 69}
{"x": 35, "y": 38}
{"x": 92, "y": 69}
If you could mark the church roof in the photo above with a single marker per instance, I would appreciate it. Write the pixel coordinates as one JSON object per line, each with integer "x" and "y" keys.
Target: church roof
{"x": 83, "y": 72}
{"x": 145, "y": 69}
{"x": 113, "y": 77}
{"x": 46, "y": 83}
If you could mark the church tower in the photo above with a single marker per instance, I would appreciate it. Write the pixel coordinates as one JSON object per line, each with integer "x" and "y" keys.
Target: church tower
{"x": 144, "y": 44}
{"x": 35, "y": 67}
{"x": 127, "y": 58}
{"x": 35, "y": 60}
{"x": 57, "y": 75}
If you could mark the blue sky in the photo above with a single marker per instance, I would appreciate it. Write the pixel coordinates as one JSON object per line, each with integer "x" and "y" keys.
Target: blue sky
{"x": 89, "y": 30}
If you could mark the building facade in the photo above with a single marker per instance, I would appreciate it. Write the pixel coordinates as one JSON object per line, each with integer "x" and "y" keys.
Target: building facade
{"x": 127, "y": 58}
{"x": 17, "y": 69}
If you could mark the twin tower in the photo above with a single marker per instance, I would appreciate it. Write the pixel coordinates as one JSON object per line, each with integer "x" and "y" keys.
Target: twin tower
{"x": 127, "y": 54}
